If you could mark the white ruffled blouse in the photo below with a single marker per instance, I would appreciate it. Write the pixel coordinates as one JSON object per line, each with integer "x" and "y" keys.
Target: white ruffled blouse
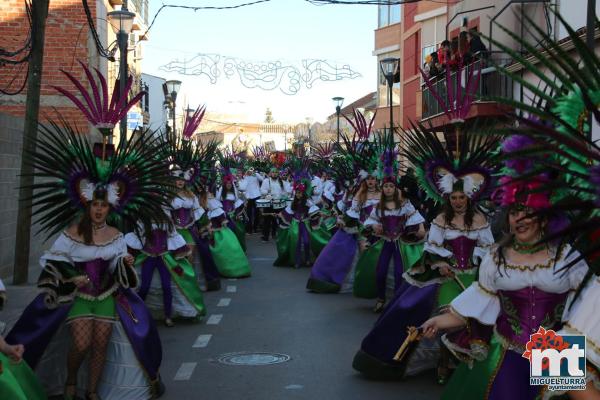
{"x": 584, "y": 319}
{"x": 413, "y": 217}
{"x": 174, "y": 240}
{"x": 480, "y": 300}
{"x": 354, "y": 210}
{"x": 189, "y": 203}
{"x": 439, "y": 234}
{"x": 68, "y": 249}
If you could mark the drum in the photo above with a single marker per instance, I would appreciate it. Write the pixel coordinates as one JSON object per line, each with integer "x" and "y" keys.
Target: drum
{"x": 278, "y": 204}
{"x": 263, "y": 203}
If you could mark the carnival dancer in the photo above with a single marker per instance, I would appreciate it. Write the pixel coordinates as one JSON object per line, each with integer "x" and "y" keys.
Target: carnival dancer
{"x": 364, "y": 201}
{"x": 233, "y": 206}
{"x": 190, "y": 167}
{"x": 250, "y": 188}
{"x": 335, "y": 263}
{"x": 166, "y": 251}
{"x": 87, "y": 274}
{"x": 272, "y": 189}
{"x": 297, "y": 222}
{"x": 523, "y": 283}
{"x": 394, "y": 217}
{"x": 230, "y": 259}
{"x": 457, "y": 240}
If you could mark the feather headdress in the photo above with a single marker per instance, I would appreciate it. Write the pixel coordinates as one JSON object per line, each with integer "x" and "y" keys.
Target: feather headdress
{"x": 441, "y": 170}
{"x": 133, "y": 180}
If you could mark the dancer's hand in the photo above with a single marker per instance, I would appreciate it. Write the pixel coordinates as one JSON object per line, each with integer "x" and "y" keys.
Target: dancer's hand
{"x": 378, "y": 229}
{"x": 14, "y": 352}
{"x": 445, "y": 321}
{"x": 81, "y": 281}
{"x": 446, "y": 271}
{"x": 129, "y": 260}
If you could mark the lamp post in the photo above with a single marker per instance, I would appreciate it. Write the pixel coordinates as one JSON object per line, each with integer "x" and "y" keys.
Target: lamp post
{"x": 122, "y": 23}
{"x": 338, "y": 107}
{"x": 388, "y": 68}
{"x": 172, "y": 88}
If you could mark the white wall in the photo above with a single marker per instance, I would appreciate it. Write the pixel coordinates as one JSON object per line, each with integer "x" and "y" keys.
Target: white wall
{"x": 158, "y": 116}
{"x": 575, "y": 14}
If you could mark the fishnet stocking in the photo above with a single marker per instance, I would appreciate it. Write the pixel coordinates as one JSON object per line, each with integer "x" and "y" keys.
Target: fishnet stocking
{"x": 102, "y": 332}
{"x": 81, "y": 339}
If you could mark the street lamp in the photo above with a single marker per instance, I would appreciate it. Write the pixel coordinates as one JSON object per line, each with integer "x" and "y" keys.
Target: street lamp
{"x": 122, "y": 24}
{"x": 338, "y": 107}
{"x": 172, "y": 88}
{"x": 389, "y": 67}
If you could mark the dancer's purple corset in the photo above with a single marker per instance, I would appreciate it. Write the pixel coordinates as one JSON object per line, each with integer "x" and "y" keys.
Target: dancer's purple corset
{"x": 365, "y": 212}
{"x": 525, "y": 310}
{"x": 301, "y": 213}
{"x": 228, "y": 205}
{"x": 182, "y": 217}
{"x": 218, "y": 221}
{"x": 98, "y": 272}
{"x": 393, "y": 225}
{"x": 157, "y": 245}
{"x": 462, "y": 247}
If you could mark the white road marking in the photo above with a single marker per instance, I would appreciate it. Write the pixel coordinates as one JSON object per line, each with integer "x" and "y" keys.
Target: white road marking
{"x": 294, "y": 387}
{"x": 224, "y": 302}
{"x": 185, "y": 371}
{"x": 202, "y": 341}
{"x": 232, "y": 279}
{"x": 214, "y": 319}
{"x": 231, "y": 289}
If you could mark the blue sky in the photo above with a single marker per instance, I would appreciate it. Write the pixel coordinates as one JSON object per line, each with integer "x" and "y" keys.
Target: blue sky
{"x": 284, "y": 30}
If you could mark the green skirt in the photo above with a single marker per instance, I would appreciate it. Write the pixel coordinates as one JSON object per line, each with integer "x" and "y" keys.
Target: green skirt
{"x": 18, "y": 382}
{"x": 364, "y": 276}
{"x": 287, "y": 242}
{"x": 450, "y": 289}
{"x": 472, "y": 383}
{"x": 240, "y": 232}
{"x": 319, "y": 239}
{"x": 229, "y": 257}
{"x": 183, "y": 274}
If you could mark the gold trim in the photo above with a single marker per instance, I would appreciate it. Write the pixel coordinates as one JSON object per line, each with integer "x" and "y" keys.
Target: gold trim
{"x": 118, "y": 236}
{"x": 495, "y": 373}
{"x": 593, "y": 344}
{"x": 486, "y": 290}
{"x": 453, "y": 228}
{"x": 551, "y": 261}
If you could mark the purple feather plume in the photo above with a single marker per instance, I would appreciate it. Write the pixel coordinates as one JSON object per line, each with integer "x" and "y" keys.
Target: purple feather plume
{"x": 95, "y": 107}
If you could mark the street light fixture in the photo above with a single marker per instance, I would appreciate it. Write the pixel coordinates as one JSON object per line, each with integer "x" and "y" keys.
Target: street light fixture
{"x": 172, "y": 88}
{"x": 338, "y": 107}
{"x": 389, "y": 66}
{"x": 122, "y": 24}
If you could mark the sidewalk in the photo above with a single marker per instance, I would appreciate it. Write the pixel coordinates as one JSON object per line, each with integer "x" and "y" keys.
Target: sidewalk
{"x": 17, "y": 298}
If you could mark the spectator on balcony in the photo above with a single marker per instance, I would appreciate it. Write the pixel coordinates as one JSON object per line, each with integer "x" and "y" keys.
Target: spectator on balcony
{"x": 476, "y": 46}
{"x": 444, "y": 54}
{"x": 466, "y": 57}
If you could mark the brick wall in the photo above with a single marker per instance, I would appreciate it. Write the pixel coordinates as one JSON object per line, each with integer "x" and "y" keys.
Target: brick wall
{"x": 67, "y": 41}
{"x": 11, "y": 141}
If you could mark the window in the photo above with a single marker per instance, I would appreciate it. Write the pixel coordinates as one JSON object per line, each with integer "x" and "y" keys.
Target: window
{"x": 389, "y": 14}
{"x": 427, "y": 50}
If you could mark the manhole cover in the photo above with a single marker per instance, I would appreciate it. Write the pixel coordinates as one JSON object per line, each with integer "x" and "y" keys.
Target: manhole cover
{"x": 253, "y": 358}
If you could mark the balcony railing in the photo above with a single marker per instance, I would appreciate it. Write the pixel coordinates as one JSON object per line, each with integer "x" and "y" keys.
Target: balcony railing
{"x": 491, "y": 84}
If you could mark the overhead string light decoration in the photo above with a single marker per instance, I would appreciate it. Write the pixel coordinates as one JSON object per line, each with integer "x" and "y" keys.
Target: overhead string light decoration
{"x": 269, "y": 75}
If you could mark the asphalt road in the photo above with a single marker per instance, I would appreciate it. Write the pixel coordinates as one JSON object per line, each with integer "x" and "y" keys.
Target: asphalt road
{"x": 272, "y": 312}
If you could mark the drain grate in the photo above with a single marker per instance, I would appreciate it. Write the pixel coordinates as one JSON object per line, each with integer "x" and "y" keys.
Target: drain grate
{"x": 253, "y": 358}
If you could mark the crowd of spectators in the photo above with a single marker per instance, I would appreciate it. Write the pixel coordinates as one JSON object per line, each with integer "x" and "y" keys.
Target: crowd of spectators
{"x": 464, "y": 50}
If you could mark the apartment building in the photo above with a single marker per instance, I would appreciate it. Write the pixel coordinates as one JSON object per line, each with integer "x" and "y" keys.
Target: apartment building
{"x": 69, "y": 39}
{"x": 413, "y": 31}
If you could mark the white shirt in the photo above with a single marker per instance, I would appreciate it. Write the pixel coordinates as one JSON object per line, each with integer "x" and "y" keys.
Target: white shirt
{"x": 272, "y": 187}
{"x": 250, "y": 185}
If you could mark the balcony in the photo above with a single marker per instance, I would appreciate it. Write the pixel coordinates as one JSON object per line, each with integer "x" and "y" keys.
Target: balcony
{"x": 491, "y": 84}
